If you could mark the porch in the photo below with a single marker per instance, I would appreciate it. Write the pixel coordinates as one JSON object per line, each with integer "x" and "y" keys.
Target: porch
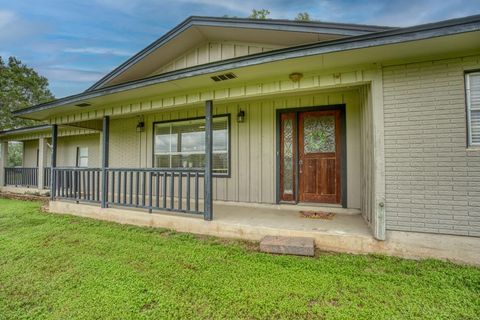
{"x": 132, "y": 171}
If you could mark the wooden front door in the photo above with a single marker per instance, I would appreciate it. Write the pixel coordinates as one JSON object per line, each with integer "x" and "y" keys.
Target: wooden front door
{"x": 319, "y": 156}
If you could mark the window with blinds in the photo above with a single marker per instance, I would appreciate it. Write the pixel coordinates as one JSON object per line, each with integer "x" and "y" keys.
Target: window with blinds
{"x": 181, "y": 144}
{"x": 473, "y": 107}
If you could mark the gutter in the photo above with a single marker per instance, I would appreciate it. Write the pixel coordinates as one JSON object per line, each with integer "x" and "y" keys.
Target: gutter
{"x": 421, "y": 32}
{"x": 25, "y": 129}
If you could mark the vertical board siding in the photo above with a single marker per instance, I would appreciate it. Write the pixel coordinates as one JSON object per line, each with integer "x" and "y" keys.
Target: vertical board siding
{"x": 67, "y": 150}
{"x": 30, "y": 153}
{"x": 213, "y": 51}
{"x": 432, "y": 178}
{"x": 252, "y": 144}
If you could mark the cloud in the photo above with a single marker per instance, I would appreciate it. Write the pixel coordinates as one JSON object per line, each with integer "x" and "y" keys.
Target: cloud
{"x": 14, "y": 29}
{"x": 70, "y": 74}
{"x": 100, "y": 51}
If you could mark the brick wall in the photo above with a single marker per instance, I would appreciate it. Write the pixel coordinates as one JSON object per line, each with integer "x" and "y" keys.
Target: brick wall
{"x": 432, "y": 178}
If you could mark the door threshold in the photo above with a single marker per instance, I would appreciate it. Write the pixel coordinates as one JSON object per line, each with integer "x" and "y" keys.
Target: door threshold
{"x": 319, "y": 204}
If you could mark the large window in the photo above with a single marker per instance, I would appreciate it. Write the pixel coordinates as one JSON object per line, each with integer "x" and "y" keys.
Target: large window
{"x": 181, "y": 144}
{"x": 473, "y": 108}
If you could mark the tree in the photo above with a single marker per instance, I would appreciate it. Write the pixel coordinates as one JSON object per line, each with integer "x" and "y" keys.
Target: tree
{"x": 20, "y": 87}
{"x": 259, "y": 14}
{"x": 303, "y": 16}
{"x": 15, "y": 154}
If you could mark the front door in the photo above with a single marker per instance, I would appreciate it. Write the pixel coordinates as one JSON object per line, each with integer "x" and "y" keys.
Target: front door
{"x": 319, "y": 156}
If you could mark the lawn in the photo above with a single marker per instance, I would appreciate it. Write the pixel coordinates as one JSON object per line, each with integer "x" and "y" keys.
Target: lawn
{"x": 64, "y": 267}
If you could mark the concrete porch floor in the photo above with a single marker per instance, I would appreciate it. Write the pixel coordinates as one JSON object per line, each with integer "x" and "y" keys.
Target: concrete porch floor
{"x": 346, "y": 232}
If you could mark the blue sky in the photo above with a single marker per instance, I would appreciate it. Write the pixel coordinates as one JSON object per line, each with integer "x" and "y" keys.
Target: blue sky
{"x": 74, "y": 43}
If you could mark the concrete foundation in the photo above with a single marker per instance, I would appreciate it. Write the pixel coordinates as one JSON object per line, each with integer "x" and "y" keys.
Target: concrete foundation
{"x": 24, "y": 190}
{"x": 344, "y": 233}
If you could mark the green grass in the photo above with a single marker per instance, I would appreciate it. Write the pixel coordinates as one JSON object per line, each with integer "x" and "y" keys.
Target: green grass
{"x": 64, "y": 267}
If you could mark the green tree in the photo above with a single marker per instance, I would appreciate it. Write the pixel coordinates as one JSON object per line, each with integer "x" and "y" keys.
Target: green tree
{"x": 15, "y": 154}
{"x": 261, "y": 14}
{"x": 20, "y": 87}
{"x": 303, "y": 16}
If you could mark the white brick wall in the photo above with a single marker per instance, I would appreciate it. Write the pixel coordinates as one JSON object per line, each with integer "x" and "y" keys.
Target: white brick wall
{"x": 432, "y": 179}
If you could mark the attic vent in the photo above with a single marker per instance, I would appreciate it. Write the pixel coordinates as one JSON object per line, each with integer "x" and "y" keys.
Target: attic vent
{"x": 223, "y": 77}
{"x": 83, "y": 104}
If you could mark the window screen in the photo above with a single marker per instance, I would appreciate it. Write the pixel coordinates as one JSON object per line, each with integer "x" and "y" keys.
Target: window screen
{"x": 473, "y": 108}
{"x": 181, "y": 144}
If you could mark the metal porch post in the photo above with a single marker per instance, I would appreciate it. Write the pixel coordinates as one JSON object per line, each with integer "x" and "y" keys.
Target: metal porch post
{"x": 53, "y": 182}
{"x": 208, "y": 215}
{"x": 41, "y": 163}
{"x": 105, "y": 147}
{"x": 3, "y": 161}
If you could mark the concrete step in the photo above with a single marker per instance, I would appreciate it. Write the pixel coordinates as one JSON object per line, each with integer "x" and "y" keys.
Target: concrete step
{"x": 300, "y": 246}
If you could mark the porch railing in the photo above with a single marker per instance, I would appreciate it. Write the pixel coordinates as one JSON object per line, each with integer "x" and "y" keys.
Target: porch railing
{"x": 177, "y": 190}
{"x": 79, "y": 184}
{"x": 47, "y": 177}
{"x": 21, "y": 177}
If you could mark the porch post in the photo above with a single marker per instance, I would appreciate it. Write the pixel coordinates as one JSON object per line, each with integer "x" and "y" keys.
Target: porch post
{"x": 42, "y": 145}
{"x": 53, "y": 182}
{"x": 208, "y": 215}
{"x": 105, "y": 146}
{"x": 3, "y": 161}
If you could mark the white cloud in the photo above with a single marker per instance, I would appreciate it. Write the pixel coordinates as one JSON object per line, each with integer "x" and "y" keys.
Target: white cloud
{"x": 100, "y": 50}
{"x": 70, "y": 74}
{"x": 14, "y": 28}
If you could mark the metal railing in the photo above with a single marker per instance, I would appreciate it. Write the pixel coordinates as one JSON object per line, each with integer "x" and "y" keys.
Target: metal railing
{"x": 47, "y": 171}
{"x": 79, "y": 184}
{"x": 177, "y": 190}
{"x": 170, "y": 189}
{"x": 21, "y": 176}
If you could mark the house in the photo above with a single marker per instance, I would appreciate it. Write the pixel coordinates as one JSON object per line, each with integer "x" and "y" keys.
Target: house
{"x": 221, "y": 114}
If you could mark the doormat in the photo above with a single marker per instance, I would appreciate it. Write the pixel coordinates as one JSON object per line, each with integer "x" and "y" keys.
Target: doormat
{"x": 317, "y": 215}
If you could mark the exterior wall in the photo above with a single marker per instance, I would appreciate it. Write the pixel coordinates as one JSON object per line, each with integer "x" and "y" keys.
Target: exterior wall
{"x": 67, "y": 150}
{"x": 253, "y": 157}
{"x": 432, "y": 178}
{"x": 30, "y": 149}
{"x": 213, "y": 51}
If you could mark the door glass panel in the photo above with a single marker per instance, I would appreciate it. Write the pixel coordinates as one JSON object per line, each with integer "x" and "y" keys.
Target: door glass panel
{"x": 287, "y": 156}
{"x": 319, "y": 134}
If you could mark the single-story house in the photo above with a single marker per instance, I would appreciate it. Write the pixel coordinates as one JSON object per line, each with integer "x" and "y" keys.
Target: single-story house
{"x": 238, "y": 117}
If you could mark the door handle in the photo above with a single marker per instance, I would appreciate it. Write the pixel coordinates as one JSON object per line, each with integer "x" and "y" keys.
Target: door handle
{"x": 300, "y": 165}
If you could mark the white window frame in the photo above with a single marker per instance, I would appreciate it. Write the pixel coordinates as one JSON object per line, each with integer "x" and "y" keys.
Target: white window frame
{"x": 470, "y": 143}
{"x": 80, "y": 157}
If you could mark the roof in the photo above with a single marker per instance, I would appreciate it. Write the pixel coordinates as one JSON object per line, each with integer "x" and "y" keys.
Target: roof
{"x": 381, "y": 38}
{"x": 25, "y": 130}
{"x": 210, "y": 26}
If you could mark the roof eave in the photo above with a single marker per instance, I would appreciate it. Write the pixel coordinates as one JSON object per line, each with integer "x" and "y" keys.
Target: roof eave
{"x": 276, "y": 24}
{"x": 443, "y": 28}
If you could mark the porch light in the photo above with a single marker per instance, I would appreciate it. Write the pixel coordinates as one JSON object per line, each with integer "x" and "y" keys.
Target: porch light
{"x": 241, "y": 116}
{"x": 140, "y": 126}
{"x": 295, "y": 76}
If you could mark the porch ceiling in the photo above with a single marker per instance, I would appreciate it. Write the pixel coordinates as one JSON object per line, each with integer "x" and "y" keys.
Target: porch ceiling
{"x": 276, "y": 64}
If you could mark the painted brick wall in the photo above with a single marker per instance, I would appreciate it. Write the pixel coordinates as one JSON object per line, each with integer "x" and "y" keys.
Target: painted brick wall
{"x": 432, "y": 178}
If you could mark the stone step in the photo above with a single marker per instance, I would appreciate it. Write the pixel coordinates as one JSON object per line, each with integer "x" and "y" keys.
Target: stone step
{"x": 300, "y": 246}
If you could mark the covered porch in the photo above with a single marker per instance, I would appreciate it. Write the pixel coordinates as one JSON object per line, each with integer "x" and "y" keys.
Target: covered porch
{"x": 186, "y": 189}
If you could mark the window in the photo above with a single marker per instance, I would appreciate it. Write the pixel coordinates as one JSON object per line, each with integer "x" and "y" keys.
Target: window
{"x": 82, "y": 157}
{"x": 181, "y": 144}
{"x": 473, "y": 107}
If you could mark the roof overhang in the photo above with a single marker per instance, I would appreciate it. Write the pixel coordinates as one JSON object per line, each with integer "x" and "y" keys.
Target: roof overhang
{"x": 457, "y": 35}
{"x": 195, "y": 30}
{"x": 25, "y": 133}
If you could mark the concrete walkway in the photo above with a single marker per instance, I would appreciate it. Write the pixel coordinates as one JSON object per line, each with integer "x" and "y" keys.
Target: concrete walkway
{"x": 346, "y": 232}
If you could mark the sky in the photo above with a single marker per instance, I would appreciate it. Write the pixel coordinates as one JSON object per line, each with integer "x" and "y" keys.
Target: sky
{"x": 75, "y": 42}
